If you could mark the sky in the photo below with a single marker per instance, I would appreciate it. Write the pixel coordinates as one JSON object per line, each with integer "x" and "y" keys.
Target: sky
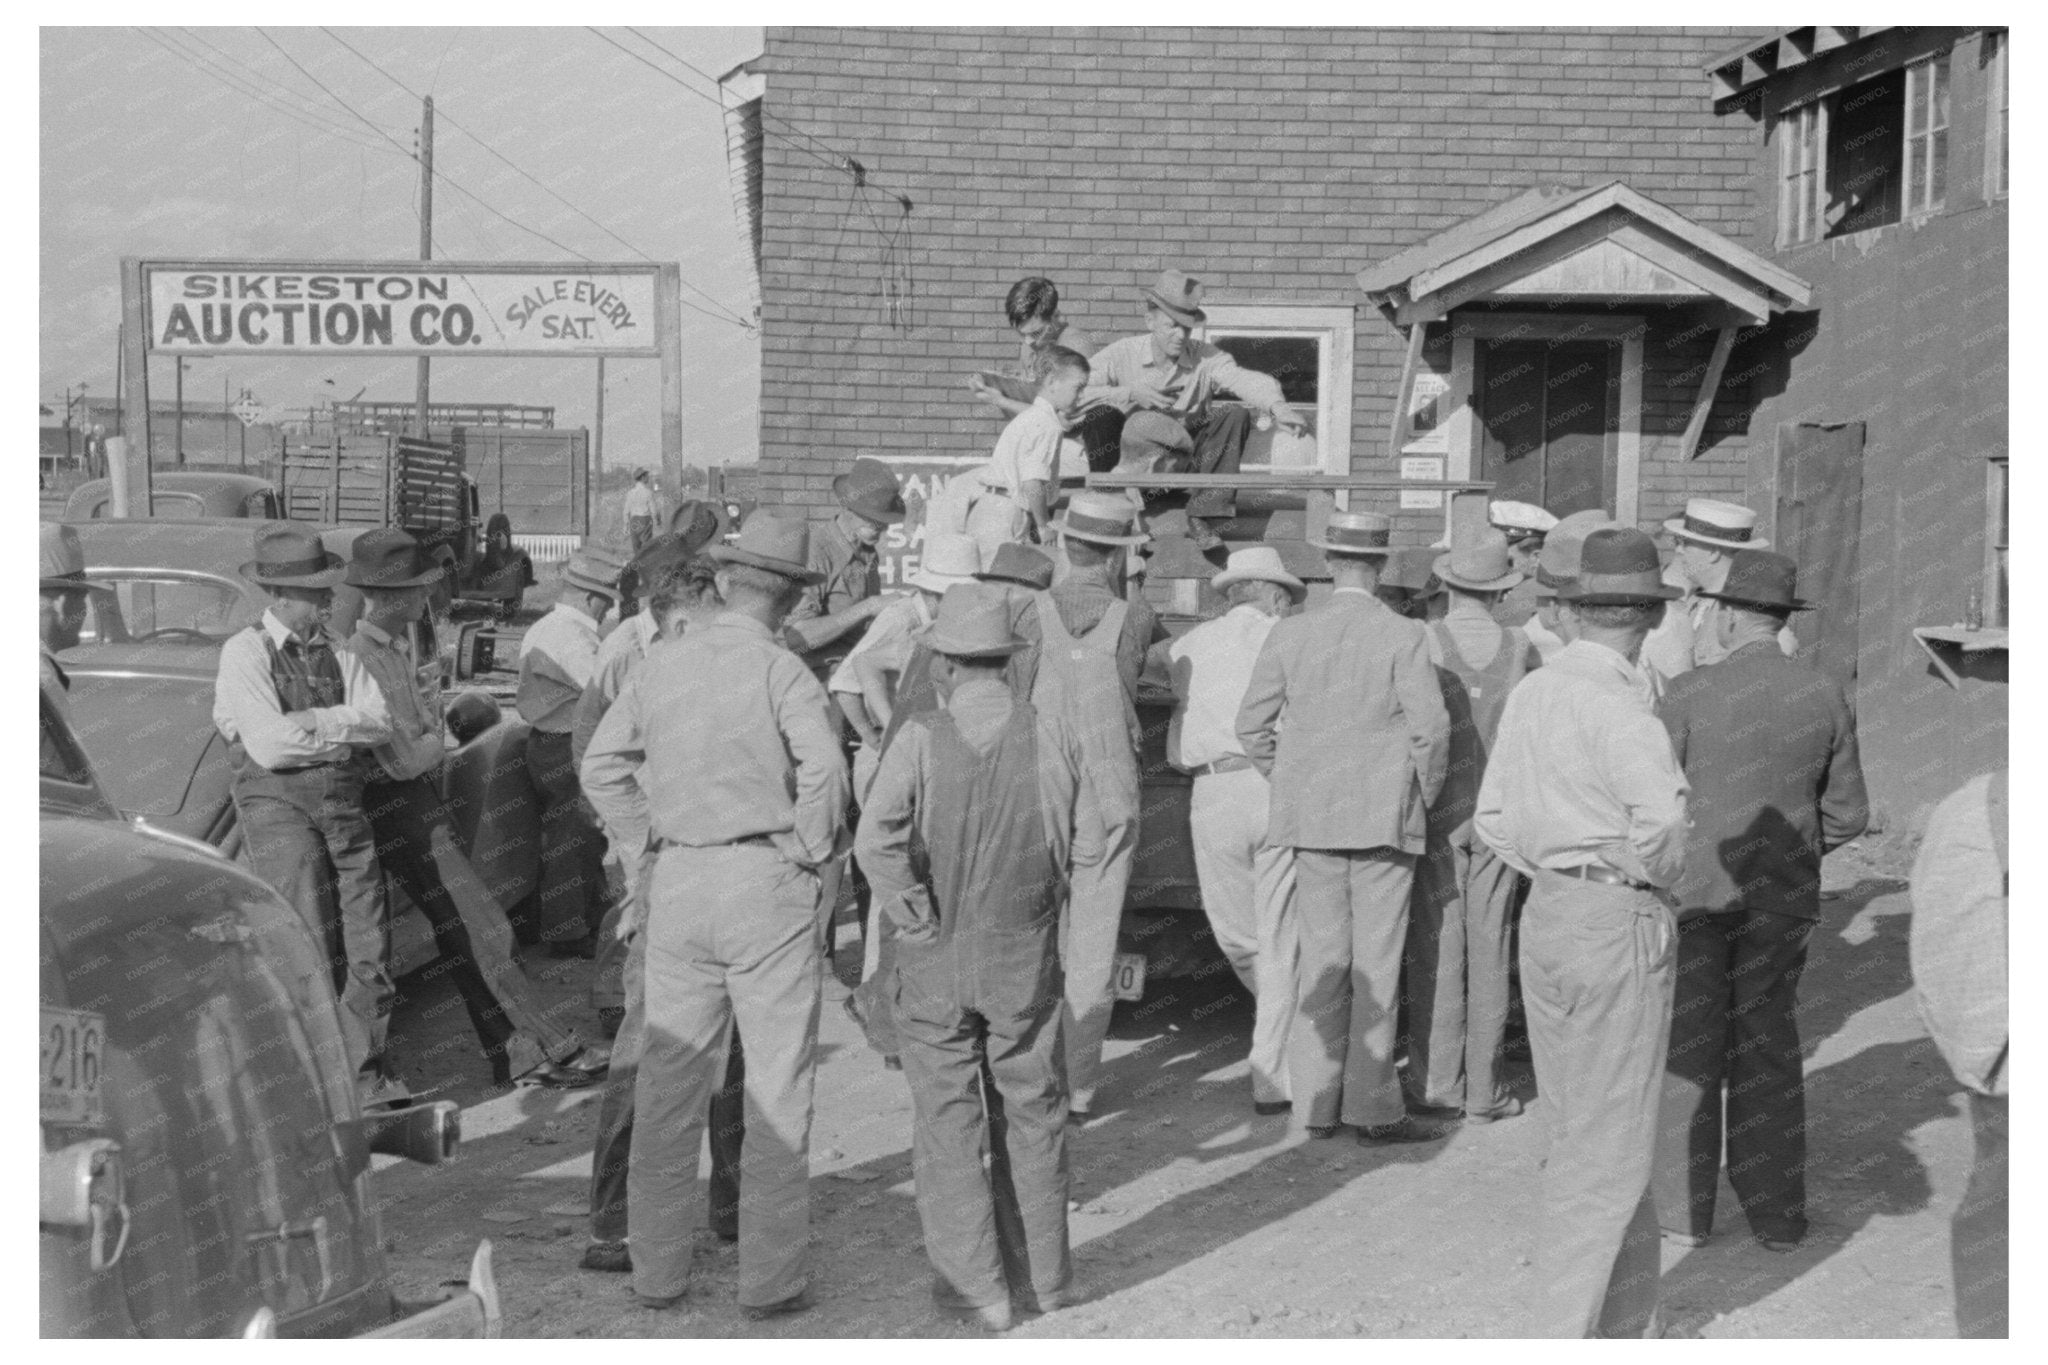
{"x": 209, "y": 142}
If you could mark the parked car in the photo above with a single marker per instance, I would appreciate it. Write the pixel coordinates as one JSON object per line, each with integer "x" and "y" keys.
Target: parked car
{"x": 141, "y": 701}
{"x": 205, "y": 1164}
{"x": 185, "y": 493}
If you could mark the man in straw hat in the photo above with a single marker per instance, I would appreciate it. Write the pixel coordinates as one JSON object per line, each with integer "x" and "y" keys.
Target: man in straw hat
{"x": 415, "y": 834}
{"x": 984, "y": 788}
{"x": 1247, "y": 883}
{"x": 720, "y": 756}
{"x": 299, "y": 718}
{"x": 1345, "y": 718}
{"x": 557, "y": 657}
{"x": 1167, "y": 370}
{"x": 1769, "y": 747}
{"x": 1704, "y": 536}
{"x": 1461, "y": 917}
{"x": 1092, "y": 645}
{"x": 1582, "y": 795}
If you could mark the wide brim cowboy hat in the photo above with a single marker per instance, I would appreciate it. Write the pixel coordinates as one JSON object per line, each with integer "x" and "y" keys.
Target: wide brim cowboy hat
{"x": 289, "y": 556}
{"x": 595, "y": 569}
{"x": 1249, "y": 566}
{"x": 771, "y": 540}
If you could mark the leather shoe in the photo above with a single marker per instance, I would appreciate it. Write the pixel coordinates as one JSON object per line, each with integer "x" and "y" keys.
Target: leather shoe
{"x": 1441, "y": 1112}
{"x": 583, "y": 1067}
{"x": 1506, "y": 1109}
{"x": 795, "y": 1303}
{"x": 613, "y": 1257}
{"x": 1268, "y": 1108}
{"x": 1402, "y": 1130}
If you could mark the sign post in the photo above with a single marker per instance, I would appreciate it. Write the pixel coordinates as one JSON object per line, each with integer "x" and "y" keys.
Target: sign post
{"x": 135, "y": 350}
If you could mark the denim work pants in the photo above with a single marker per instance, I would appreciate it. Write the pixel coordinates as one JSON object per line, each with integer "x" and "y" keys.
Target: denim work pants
{"x": 308, "y": 837}
{"x": 612, "y": 1158}
{"x": 1733, "y": 1033}
{"x": 572, "y": 883}
{"x": 1980, "y": 1237}
{"x": 732, "y": 938}
{"x": 1597, "y": 967}
{"x": 1352, "y": 908}
{"x": 417, "y": 845}
{"x": 1105, "y": 842}
{"x": 1248, "y": 895}
{"x": 978, "y": 1016}
{"x": 1461, "y": 924}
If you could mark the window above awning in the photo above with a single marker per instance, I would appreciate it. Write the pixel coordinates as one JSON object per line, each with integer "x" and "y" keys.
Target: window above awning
{"x": 1557, "y": 243}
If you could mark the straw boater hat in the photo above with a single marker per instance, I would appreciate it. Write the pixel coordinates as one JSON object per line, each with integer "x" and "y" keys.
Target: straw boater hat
{"x": 773, "y": 540}
{"x": 1723, "y": 525}
{"x": 594, "y": 569}
{"x": 1179, "y": 294}
{"x": 1558, "y": 564}
{"x": 1761, "y": 580}
{"x": 1618, "y": 566}
{"x": 289, "y": 556}
{"x": 1259, "y": 564}
{"x": 1356, "y": 533}
{"x": 973, "y": 623}
{"x": 1482, "y": 566}
{"x": 870, "y": 490}
{"x": 387, "y": 558}
{"x": 948, "y": 560}
{"x": 1101, "y": 519}
{"x": 1520, "y": 520}
{"x": 1018, "y": 563}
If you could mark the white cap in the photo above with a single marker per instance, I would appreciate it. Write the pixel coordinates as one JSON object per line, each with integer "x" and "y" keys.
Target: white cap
{"x": 1520, "y": 516}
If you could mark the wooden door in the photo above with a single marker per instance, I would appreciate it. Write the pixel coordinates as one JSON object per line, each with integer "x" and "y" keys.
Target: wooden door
{"x": 1548, "y": 415}
{"x": 1820, "y": 516}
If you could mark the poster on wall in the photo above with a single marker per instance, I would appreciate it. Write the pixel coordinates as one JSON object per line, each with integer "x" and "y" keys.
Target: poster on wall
{"x": 922, "y": 477}
{"x": 1429, "y": 432}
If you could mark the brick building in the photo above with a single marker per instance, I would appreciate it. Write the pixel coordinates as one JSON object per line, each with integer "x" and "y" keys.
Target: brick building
{"x": 1552, "y": 260}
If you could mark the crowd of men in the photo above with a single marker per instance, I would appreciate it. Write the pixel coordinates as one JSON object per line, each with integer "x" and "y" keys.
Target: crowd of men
{"x": 1538, "y": 745}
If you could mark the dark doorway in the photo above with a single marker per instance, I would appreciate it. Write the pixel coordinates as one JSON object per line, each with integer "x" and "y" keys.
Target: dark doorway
{"x": 1820, "y": 514}
{"x": 1548, "y": 416}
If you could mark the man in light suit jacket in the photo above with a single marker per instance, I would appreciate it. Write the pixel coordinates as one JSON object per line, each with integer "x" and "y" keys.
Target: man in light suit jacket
{"x": 1345, "y": 718}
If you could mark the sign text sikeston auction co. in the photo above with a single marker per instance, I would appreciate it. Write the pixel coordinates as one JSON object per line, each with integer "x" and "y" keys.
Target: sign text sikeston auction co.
{"x": 304, "y": 309}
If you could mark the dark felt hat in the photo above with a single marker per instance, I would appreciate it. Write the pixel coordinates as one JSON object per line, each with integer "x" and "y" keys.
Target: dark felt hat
{"x": 388, "y": 558}
{"x": 698, "y": 523}
{"x": 1019, "y": 563}
{"x": 1762, "y": 579}
{"x": 291, "y": 556}
{"x": 1618, "y": 566}
{"x": 772, "y": 539}
{"x": 870, "y": 490}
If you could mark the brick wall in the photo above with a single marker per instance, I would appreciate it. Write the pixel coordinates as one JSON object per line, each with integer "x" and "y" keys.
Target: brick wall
{"x": 1273, "y": 163}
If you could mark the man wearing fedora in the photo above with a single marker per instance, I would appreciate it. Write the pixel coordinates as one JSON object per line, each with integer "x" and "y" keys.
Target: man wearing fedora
{"x": 1461, "y": 916}
{"x": 1582, "y": 796}
{"x": 1556, "y": 564}
{"x": 1704, "y": 537}
{"x": 416, "y": 840}
{"x": 1092, "y": 644}
{"x": 300, "y": 718}
{"x": 1769, "y": 746}
{"x": 1247, "y": 883}
{"x": 846, "y": 594}
{"x": 720, "y": 756}
{"x": 557, "y": 656}
{"x": 1343, "y": 715}
{"x": 693, "y": 525}
{"x": 984, "y": 789}
{"x": 1167, "y": 370}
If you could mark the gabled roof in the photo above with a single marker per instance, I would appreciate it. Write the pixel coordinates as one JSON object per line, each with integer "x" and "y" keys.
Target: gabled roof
{"x": 1556, "y": 241}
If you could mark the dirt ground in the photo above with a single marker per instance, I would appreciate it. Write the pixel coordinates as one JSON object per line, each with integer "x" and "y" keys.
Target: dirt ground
{"x": 1194, "y": 1218}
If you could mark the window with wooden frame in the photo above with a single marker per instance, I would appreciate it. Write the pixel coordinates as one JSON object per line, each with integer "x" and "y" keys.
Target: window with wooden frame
{"x": 1997, "y": 534}
{"x": 1308, "y": 349}
{"x": 1926, "y": 135}
{"x": 1997, "y": 103}
{"x": 1801, "y": 136}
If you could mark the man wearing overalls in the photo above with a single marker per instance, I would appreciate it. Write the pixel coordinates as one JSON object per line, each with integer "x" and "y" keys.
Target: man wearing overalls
{"x": 985, "y": 787}
{"x": 300, "y": 720}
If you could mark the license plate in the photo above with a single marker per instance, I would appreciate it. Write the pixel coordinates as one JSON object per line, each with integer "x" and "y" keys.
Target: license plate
{"x": 73, "y": 1064}
{"x": 1127, "y": 976}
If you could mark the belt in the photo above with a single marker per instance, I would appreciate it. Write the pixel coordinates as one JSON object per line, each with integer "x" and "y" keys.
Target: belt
{"x": 1235, "y": 763}
{"x": 995, "y": 488}
{"x": 1596, "y": 872}
{"x": 751, "y": 841}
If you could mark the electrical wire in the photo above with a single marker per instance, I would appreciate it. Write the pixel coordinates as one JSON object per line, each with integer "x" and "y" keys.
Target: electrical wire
{"x": 733, "y": 314}
{"x": 199, "y": 63}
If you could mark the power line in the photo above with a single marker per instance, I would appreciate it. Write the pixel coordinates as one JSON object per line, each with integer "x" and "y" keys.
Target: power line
{"x": 734, "y": 315}
{"x": 307, "y": 120}
{"x": 262, "y": 83}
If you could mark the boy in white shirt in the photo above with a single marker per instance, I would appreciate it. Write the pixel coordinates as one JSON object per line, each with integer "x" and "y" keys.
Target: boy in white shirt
{"x": 1014, "y": 499}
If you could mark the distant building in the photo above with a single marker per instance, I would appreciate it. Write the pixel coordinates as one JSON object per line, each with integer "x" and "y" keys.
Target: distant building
{"x": 1636, "y": 266}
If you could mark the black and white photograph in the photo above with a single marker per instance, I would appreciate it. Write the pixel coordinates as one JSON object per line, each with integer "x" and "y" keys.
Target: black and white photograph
{"x": 932, "y": 682}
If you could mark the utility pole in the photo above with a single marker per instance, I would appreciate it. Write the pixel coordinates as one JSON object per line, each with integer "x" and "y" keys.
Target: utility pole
{"x": 597, "y": 434}
{"x": 426, "y": 245}
{"x": 178, "y": 441}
